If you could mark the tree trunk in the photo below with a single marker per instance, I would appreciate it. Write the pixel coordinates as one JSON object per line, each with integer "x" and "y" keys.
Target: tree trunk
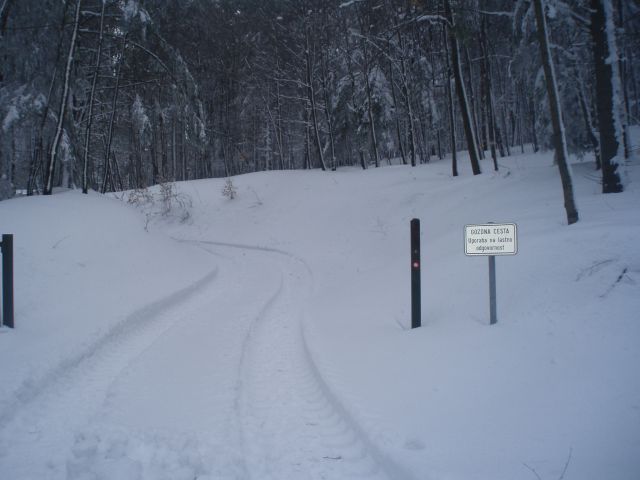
{"x": 5, "y": 6}
{"x": 37, "y": 159}
{"x": 275, "y": 127}
{"x": 406, "y": 93}
{"x": 521, "y": 115}
{"x": 372, "y": 125}
{"x": 395, "y": 106}
{"x": 485, "y": 74}
{"x": 327, "y": 112}
{"x": 163, "y": 150}
{"x": 622, "y": 62}
{"x": 473, "y": 103}
{"x": 588, "y": 121}
{"x": 634, "y": 108}
{"x": 559, "y": 140}
{"x": 48, "y": 187}
{"x": 183, "y": 156}
{"x": 467, "y": 122}
{"x": 505, "y": 131}
{"x": 279, "y": 131}
{"x": 452, "y": 122}
{"x": 424, "y": 142}
{"x": 312, "y": 101}
{"x": 354, "y": 114}
{"x": 307, "y": 142}
{"x": 174, "y": 150}
{"x": 114, "y": 106}
{"x": 94, "y": 80}
{"x": 608, "y": 94}
{"x": 534, "y": 135}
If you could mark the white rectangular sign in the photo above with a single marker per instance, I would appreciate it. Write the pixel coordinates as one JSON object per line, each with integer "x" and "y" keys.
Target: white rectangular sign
{"x": 491, "y": 239}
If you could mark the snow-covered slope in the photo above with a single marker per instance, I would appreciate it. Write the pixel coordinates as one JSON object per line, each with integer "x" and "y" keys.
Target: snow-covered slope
{"x": 267, "y": 336}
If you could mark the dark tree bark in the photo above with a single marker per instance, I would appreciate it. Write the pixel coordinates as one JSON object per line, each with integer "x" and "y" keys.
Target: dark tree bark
{"x": 372, "y": 124}
{"x": 473, "y": 103}
{"x": 48, "y": 184}
{"x": 114, "y": 106}
{"x": 5, "y": 7}
{"x": 588, "y": 122}
{"x": 395, "y": 107}
{"x": 367, "y": 67}
{"x": 406, "y": 93}
{"x": 312, "y": 100}
{"x": 534, "y": 134}
{"x": 485, "y": 74}
{"x": 327, "y": 110}
{"x": 622, "y": 63}
{"x": 279, "y": 129}
{"x": 94, "y": 80}
{"x": 559, "y": 140}
{"x": 452, "y": 121}
{"x": 467, "y": 122}
{"x": 608, "y": 94}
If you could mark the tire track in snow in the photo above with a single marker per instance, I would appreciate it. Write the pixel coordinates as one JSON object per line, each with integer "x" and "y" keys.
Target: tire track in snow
{"x": 46, "y": 411}
{"x": 392, "y": 468}
{"x": 240, "y": 386}
{"x": 179, "y": 396}
{"x": 256, "y": 248}
{"x": 131, "y": 324}
{"x": 240, "y": 436}
{"x": 287, "y": 422}
{"x": 292, "y": 425}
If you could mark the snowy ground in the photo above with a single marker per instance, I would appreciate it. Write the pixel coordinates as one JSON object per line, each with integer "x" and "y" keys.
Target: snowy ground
{"x": 266, "y": 337}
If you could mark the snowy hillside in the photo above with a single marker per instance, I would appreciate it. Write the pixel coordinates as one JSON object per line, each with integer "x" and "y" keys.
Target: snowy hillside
{"x": 267, "y": 337}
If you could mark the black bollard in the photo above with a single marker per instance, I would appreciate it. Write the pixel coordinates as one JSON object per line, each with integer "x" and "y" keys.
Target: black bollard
{"x": 415, "y": 274}
{"x": 7, "y": 280}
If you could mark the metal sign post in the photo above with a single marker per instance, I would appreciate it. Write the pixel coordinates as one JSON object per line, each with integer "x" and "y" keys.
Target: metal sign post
{"x": 7, "y": 280}
{"x": 491, "y": 239}
{"x": 493, "y": 315}
{"x": 415, "y": 274}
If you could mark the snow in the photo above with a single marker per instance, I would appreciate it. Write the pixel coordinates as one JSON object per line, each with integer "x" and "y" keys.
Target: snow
{"x": 130, "y": 10}
{"x": 139, "y": 116}
{"x": 11, "y": 116}
{"x": 348, "y": 3}
{"x": 267, "y": 336}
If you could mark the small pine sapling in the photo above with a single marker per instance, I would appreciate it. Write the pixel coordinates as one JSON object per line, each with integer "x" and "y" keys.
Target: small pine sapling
{"x": 229, "y": 189}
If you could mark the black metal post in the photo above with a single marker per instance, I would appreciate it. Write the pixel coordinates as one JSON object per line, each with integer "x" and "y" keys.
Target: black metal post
{"x": 7, "y": 280}
{"x": 415, "y": 274}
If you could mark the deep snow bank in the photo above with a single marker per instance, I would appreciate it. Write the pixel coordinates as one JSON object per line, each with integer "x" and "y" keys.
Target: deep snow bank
{"x": 552, "y": 388}
{"x": 84, "y": 265}
{"x": 552, "y": 385}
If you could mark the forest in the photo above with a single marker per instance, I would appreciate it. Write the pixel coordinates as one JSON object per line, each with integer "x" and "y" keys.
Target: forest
{"x": 110, "y": 95}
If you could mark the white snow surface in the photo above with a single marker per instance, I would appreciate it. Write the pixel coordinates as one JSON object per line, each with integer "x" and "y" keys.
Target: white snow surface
{"x": 267, "y": 337}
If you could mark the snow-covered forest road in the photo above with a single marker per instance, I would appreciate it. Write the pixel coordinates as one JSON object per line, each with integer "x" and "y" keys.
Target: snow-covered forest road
{"x": 267, "y": 336}
{"x": 214, "y": 380}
